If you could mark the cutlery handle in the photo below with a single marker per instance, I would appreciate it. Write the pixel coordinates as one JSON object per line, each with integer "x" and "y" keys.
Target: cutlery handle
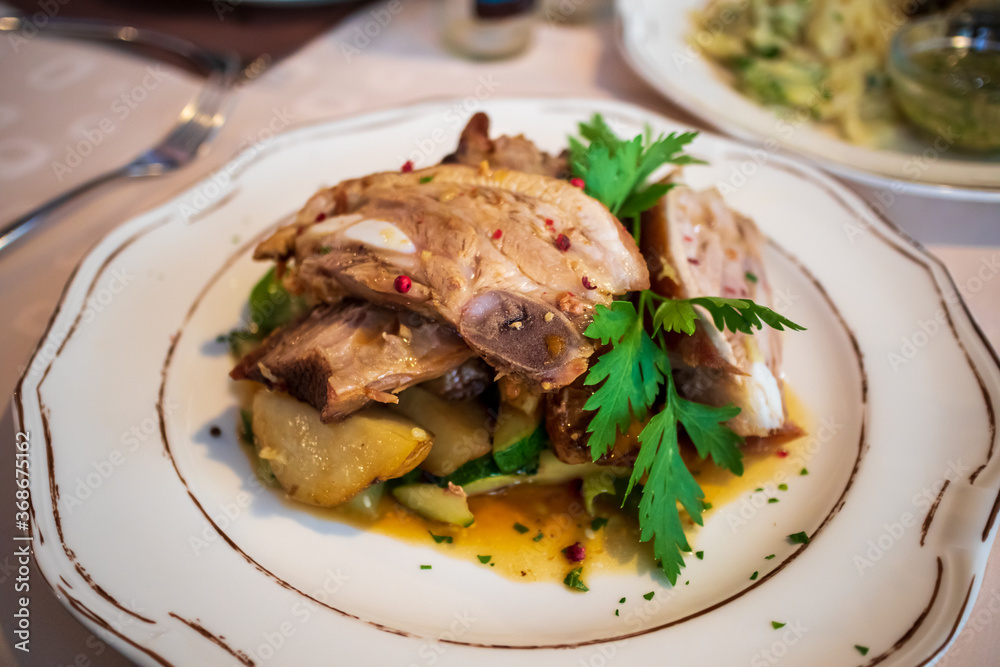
{"x": 14, "y": 230}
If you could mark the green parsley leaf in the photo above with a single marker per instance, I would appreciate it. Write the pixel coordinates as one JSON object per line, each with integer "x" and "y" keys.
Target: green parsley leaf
{"x": 438, "y": 539}
{"x": 631, "y": 371}
{"x": 615, "y": 170}
{"x": 484, "y": 559}
{"x": 782, "y": 487}
{"x": 700, "y": 555}
{"x": 598, "y": 523}
{"x": 769, "y": 557}
{"x": 753, "y": 577}
{"x": 740, "y": 315}
{"x": 426, "y": 179}
{"x": 622, "y": 601}
{"x": 649, "y": 595}
{"x": 776, "y": 625}
{"x": 799, "y": 538}
{"x": 538, "y": 537}
{"x": 804, "y": 471}
{"x": 707, "y": 506}
{"x": 616, "y": 612}
{"x": 521, "y": 528}
{"x": 772, "y": 500}
{"x": 751, "y": 277}
{"x": 863, "y": 650}
{"x": 573, "y": 580}
{"x": 425, "y": 567}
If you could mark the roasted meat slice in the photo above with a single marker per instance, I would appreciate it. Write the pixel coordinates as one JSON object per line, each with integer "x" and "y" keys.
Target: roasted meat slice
{"x": 340, "y": 357}
{"x": 516, "y": 153}
{"x": 566, "y": 423}
{"x": 515, "y": 262}
{"x": 698, "y": 246}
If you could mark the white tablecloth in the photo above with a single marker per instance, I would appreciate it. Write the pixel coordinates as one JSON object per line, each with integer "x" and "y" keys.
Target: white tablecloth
{"x": 69, "y": 111}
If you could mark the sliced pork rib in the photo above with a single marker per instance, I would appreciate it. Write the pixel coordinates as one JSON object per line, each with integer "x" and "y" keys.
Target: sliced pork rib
{"x": 340, "y": 357}
{"x": 515, "y": 262}
{"x": 697, "y": 246}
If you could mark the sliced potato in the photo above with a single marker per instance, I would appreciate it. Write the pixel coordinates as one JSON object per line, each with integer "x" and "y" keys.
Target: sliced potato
{"x": 328, "y": 464}
{"x": 459, "y": 428}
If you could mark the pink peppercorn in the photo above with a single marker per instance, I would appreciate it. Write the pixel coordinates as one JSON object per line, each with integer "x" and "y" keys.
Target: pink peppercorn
{"x": 549, "y": 222}
{"x": 497, "y": 234}
{"x": 575, "y": 552}
{"x": 781, "y": 453}
{"x": 588, "y": 283}
{"x": 562, "y": 242}
{"x": 407, "y": 167}
{"x": 403, "y": 284}
{"x": 320, "y": 217}
{"x": 577, "y": 182}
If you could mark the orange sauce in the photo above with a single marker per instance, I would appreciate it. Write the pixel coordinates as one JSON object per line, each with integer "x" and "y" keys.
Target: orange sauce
{"x": 555, "y": 517}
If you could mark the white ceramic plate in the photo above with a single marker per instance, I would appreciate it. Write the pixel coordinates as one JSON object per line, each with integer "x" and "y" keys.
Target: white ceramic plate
{"x": 157, "y": 536}
{"x": 655, "y": 37}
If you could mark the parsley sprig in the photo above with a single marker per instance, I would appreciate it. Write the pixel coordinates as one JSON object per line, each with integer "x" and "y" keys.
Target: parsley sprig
{"x": 634, "y": 374}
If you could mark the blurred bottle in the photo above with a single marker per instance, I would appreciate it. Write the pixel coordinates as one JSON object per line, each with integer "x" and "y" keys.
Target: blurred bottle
{"x": 488, "y": 29}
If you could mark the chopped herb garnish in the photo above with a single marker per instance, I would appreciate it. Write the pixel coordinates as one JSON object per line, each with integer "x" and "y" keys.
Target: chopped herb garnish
{"x": 863, "y": 650}
{"x": 573, "y": 580}
{"x": 538, "y": 537}
{"x": 804, "y": 471}
{"x": 598, "y": 523}
{"x": 707, "y": 506}
{"x": 700, "y": 555}
{"x": 751, "y": 277}
{"x": 782, "y": 487}
{"x": 753, "y": 577}
{"x": 425, "y": 567}
{"x": 758, "y": 489}
{"x": 799, "y": 538}
{"x": 776, "y": 625}
{"x": 426, "y": 179}
{"x": 649, "y": 595}
{"x": 772, "y": 500}
{"x": 484, "y": 559}
{"x": 622, "y": 601}
{"x": 616, "y": 612}
{"x": 447, "y": 539}
{"x": 521, "y": 528}
{"x": 769, "y": 557}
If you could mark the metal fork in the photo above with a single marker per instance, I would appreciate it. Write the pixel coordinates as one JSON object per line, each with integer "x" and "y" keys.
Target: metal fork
{"x": 196, "y": 126}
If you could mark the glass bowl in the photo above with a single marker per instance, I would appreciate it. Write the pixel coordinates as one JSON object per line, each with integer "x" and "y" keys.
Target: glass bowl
{"x": 945, "y": 72}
